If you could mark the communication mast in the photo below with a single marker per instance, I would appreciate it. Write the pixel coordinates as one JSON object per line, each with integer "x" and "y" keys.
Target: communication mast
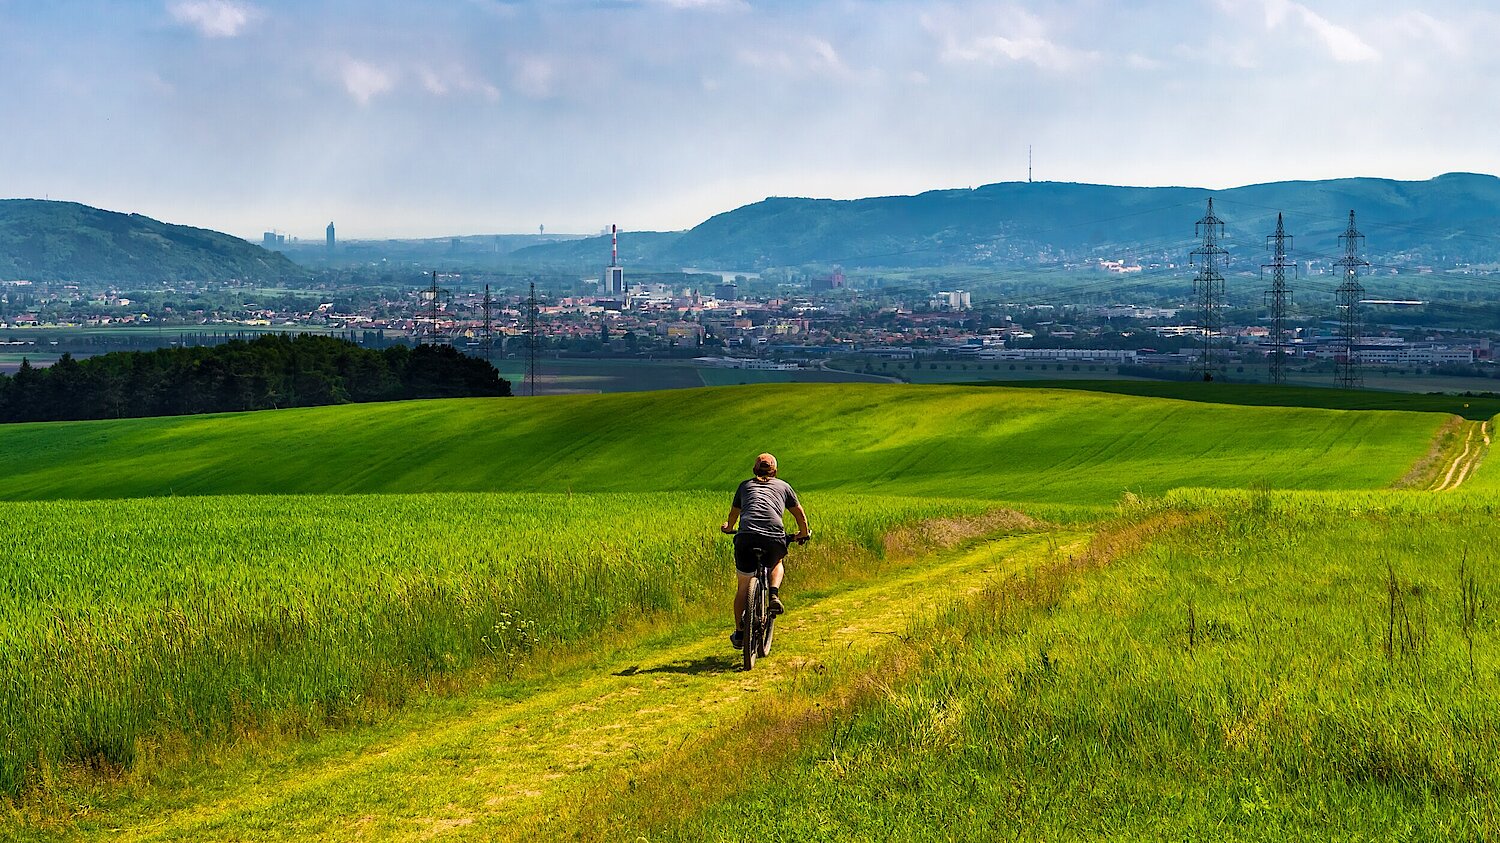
{"x": 1349, "y": 293}
{"x": 1208, "y": 287}
{"x": 531, "y": 341}
{"x": 1279, "y": 296}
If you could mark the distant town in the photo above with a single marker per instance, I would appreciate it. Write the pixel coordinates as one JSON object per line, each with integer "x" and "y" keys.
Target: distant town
{"x": 786, "y": 320}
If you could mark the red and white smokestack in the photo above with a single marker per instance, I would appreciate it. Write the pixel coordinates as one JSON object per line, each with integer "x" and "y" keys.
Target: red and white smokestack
{"x": 614, "y": 246}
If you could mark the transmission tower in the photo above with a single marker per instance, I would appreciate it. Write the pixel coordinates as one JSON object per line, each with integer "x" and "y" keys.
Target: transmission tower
{"x": 489, "y": 338}
{"x": 432, "y": 297}
{"x": 1208, "y": 287}
{"x": 1349, "y": 292}
{"x": 1279, "y": 297}
{"x": 531, "y": 341}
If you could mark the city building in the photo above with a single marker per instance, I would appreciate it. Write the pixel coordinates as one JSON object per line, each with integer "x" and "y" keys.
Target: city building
{"x": 331, "y": 240}
{"x": 951, "y": 300}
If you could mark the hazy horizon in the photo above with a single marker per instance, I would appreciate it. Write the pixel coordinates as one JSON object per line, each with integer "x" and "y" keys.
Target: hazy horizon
{"x": 468, "y": 117}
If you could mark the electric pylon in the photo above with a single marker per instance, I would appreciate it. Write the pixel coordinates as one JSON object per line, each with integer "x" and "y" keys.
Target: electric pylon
{"x": 489, "y": 340}
{"x": 433, "y": 296}
{"x": 1279, "y": 297}
{"x": 1208, "y": 287}
{"x": 531, "y": 342}
{"x": 1349, "y": 292}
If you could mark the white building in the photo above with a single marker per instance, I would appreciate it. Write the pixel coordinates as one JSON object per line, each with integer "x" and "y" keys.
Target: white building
{"x": 951, "y": 300}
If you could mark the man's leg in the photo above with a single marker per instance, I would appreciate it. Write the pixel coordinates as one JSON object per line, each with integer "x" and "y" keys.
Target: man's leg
{"x": 741, "y": 597}
{"x": 776, "y": 574}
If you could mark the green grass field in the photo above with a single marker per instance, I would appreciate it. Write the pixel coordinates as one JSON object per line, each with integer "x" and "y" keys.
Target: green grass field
{"x": 502, "y": 619}
{"x": 949, "y": 442}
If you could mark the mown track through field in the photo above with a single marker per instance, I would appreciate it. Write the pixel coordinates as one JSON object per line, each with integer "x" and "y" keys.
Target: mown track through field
{"x": 1476, "y": 445}
{"x": 484, "y": 767}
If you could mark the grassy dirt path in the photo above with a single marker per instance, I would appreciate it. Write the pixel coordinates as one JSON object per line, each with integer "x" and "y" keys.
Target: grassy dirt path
{"x": 473, "y": 767}
{"x": 1476, "y": 444}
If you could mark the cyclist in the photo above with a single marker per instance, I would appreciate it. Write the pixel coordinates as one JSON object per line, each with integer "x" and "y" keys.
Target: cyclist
{"x": 757, "y": 508}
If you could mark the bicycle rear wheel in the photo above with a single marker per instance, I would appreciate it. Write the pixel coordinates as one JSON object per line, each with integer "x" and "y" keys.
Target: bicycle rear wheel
{"x": 768, "y": 628}
{"x": 753, "y": 614}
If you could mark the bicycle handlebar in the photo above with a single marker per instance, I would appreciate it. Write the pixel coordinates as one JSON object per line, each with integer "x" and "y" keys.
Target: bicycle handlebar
{"x": 790, "y": 537}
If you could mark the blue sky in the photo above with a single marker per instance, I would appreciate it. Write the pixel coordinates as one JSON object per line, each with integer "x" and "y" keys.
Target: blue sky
{"x": 479, "y": 116}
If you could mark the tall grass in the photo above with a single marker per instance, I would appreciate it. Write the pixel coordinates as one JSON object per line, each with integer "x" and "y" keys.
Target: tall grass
{"x": 123, "y": 623}
{"x": 1268, "y": 666}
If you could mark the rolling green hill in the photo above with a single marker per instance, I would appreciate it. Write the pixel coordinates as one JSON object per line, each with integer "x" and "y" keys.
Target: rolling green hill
{"x": 1444, "y": 219}
{"x": 66, "y": 241}
{"x": 952, "y": 442}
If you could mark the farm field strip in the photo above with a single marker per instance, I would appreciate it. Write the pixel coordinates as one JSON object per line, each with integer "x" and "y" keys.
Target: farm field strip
{"x": 496, "y": 765}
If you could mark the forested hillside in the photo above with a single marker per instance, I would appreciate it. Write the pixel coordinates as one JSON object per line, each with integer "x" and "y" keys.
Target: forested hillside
{"x": 66, "y": 241}
{"x": 270, "y": 372}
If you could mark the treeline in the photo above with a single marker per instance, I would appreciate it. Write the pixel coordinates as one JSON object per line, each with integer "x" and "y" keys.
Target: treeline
{"x": 270, "y": 372}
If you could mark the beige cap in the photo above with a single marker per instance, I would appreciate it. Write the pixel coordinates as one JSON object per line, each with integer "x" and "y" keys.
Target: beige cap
{"x": 765, "y": 466}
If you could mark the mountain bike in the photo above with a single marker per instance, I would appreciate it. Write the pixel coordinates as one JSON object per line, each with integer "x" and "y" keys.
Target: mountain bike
{"x": 759, "y": 622}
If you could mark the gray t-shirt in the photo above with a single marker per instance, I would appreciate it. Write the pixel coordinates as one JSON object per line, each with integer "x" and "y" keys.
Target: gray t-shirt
{"x": 761, "y": 503}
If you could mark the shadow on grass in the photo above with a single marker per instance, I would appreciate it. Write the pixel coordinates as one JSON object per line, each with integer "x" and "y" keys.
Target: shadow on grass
{"x": 704, "y": 666}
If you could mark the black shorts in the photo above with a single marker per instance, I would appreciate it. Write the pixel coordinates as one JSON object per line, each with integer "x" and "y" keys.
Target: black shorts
{"x": 774, "y": 551}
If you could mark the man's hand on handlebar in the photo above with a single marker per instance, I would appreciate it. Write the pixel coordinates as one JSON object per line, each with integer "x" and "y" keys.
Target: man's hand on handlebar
{"x": 802, "y": 537}
{"x": 725, "y": 528}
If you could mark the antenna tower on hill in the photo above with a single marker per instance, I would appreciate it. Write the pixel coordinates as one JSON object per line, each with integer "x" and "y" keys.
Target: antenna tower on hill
{"x": 1208, "y": 287}
{"x": 531, "y": 341}
{"x": 1279, "y": 296}
{"x": 1349, "y": 292}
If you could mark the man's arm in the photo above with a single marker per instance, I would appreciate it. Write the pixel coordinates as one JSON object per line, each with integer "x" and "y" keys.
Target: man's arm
{"x": 802, "y": 531}
{"x": 734, "y": 518}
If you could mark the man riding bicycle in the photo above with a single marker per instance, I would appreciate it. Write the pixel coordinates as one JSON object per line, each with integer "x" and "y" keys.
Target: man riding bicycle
{"x": 757, "y": 508}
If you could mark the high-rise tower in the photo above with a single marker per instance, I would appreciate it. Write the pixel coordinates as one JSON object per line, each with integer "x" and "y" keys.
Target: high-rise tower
{"x": 331, "y": 241}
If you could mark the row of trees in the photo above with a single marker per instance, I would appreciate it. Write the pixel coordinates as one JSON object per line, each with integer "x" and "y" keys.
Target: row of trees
{"x": 269, "y": 372}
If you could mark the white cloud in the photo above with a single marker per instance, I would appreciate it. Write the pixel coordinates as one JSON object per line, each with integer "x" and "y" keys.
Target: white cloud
{"x": 1004, "y": 36}
{"x": 1342, "y": 44}
{"x": 454, "y": 79}
{"x": 535, "y": 76}
{"x": 1425, "y": 26}
{"x": 735, "y": 5}
{"x": 802, "y": 56}
{"x": 215, "y": 18}
{"x": 365, "y": 81}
